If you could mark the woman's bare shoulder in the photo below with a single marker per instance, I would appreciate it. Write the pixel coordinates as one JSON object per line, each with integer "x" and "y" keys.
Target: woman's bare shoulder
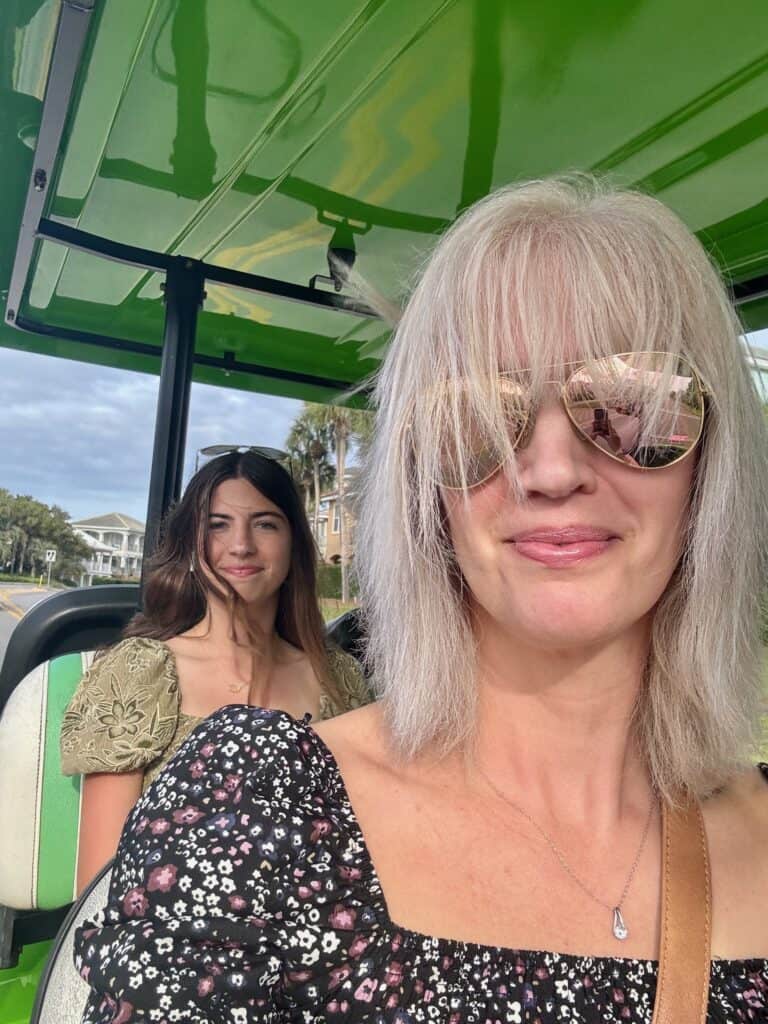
{"x": 742, "y": 804}
{"x": 356, "y": 735}
{"x": 737, "y": 833}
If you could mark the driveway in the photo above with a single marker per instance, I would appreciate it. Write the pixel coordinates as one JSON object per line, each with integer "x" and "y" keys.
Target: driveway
{"x": 15, "y": 600}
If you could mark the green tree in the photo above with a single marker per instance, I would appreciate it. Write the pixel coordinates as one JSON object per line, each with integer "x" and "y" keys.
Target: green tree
{"x": 308, "y": 444}
{"x": 346, "y": 427}
{"x": 71, "y": 549}
{"x": 29, "y": 517}
{"x": 28, "y": 528}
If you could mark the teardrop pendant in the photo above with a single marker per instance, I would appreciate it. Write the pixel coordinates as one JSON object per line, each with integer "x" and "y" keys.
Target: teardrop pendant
{"x": 620, "y": 929}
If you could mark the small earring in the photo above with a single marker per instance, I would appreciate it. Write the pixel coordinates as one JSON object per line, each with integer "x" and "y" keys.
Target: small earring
{"x": 192, "y": 565}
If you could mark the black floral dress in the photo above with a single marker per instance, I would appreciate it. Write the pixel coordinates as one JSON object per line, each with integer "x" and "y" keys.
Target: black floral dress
{"x": 243, "y": 892}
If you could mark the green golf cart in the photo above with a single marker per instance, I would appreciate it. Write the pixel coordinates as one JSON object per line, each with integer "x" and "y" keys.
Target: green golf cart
{"x": 187, "y": 183}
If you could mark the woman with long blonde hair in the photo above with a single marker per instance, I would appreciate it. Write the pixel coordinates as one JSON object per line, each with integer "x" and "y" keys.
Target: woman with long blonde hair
{"x": 550, "y": 814}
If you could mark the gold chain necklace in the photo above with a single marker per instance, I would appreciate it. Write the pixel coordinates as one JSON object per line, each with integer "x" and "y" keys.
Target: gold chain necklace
{"x": 238, "y": 687}
{"x": 619, "y": 925}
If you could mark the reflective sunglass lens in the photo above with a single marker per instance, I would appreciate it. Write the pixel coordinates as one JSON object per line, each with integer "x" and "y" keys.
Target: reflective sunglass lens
{"x": 643, "y": 408}
{"x": 474, "y": 455}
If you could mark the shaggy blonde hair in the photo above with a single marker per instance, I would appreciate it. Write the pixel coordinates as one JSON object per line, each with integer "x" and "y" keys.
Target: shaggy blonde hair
{"x": 524, "y": 277}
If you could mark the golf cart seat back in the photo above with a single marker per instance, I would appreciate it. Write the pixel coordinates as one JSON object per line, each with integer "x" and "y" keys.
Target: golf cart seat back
{"x": 82, "y": 619}
{"x": 62, "y": 993}
{"x": 39, "y": 806}
{"x": 348, "y": 633}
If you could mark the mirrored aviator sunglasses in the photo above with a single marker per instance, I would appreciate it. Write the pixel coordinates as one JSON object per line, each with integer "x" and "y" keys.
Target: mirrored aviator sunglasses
{"x": 642, "y": 409}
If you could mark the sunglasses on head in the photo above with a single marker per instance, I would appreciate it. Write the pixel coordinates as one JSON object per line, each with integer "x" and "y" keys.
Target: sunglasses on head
{"x": 283, "y": 458}
{"x": 642, "y": 409}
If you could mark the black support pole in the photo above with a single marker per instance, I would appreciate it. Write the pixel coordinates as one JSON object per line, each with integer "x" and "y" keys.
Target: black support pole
{"x": 184, "y": 284}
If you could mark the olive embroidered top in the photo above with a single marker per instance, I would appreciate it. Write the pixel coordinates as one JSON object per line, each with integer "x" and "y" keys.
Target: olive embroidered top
{"x": 126, "y": 714}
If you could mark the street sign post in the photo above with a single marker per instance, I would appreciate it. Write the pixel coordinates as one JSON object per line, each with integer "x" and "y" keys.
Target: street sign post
{"x": 50, "y": 557}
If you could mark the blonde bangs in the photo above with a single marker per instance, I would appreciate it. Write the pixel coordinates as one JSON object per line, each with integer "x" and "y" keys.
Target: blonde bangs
{"x": 536, "y": 296}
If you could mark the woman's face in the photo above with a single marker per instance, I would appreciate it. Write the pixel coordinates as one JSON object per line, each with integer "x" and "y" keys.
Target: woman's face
{"x": 588, "y": 552}
{"x": 248, "y": 540}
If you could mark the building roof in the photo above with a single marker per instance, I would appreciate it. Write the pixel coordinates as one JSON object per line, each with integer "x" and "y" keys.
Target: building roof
{"x": 112, "y": 521}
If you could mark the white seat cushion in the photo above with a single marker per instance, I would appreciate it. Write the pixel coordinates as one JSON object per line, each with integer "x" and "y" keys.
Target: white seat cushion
{"x": 39, "y": 807}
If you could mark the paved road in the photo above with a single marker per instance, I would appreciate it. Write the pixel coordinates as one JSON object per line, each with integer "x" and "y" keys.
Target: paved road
{"x": 15, "y": 600}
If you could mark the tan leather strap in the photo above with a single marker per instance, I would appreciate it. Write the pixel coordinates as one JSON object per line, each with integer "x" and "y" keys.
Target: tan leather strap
{"x": 686, "y": 919}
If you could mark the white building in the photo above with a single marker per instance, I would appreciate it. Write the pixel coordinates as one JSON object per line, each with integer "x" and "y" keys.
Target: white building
{"x": 119, "y": 543}
{"x": 98, "y": 563}
{"x": 328, "y": 525}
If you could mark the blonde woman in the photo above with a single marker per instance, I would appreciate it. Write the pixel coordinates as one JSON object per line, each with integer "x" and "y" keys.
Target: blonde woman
{"x": 565, "y": 636}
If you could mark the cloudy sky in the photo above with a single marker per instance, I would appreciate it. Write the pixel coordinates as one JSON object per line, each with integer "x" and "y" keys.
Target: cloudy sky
{"x": 80, "y": 436}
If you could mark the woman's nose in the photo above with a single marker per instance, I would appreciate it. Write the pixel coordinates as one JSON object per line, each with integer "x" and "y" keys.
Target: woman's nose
{"x": 241, "y": 541}
{"x": 555, "y": 463}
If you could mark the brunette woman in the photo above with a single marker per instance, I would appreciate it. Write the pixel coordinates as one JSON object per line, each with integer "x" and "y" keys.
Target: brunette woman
{"x": 230, "y": 616}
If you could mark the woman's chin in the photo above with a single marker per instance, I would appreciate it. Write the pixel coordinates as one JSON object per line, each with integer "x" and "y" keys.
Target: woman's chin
{"x": 554, "y": 626}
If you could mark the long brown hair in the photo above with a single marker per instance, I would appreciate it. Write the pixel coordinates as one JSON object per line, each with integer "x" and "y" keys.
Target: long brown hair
{"x": 175, "y": 598}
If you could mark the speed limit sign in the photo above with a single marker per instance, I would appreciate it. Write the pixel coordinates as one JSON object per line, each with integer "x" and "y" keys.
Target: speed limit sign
{"x": 50, "y": 555}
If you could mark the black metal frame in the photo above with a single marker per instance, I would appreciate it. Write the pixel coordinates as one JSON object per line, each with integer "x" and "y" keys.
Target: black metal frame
{"x": 71, "y": 33}
{"x": 750, "y": 291}
{"x": 227, "y": 362}
{"x": 184, "y": 295}
{"x": 183, "y": 298}
{"x": 148, "y": 259}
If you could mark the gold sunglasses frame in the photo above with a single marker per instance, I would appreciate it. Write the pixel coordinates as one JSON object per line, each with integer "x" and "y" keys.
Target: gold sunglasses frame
{"x": 579, "y": 365}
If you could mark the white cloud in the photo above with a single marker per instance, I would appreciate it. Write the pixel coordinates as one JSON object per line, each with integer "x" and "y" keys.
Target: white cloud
{"x": 81, "y": 436}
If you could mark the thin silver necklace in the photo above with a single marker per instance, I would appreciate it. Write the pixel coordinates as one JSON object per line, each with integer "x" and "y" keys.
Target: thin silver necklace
{"x": 619, "y": 925}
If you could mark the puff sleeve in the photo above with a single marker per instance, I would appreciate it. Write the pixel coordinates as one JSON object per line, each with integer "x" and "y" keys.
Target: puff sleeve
{"x": 125, "y": 711}
{"x": 353, "y": 690}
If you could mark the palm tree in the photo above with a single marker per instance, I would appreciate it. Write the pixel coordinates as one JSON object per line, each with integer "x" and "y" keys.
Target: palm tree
{"x": 308, "y": 443}
{"x": 345, "y": 426}
{"x": 318, "y": 453}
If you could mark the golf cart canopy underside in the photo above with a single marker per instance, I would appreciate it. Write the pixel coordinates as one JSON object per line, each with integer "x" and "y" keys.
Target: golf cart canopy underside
{"x": 252, "y": 135}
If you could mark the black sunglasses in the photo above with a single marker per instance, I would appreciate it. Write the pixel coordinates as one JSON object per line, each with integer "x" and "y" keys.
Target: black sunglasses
{"x": 274, "y": 454}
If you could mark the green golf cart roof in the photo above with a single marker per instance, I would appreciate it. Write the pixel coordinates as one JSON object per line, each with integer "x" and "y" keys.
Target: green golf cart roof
{"x": 247, "y": 133}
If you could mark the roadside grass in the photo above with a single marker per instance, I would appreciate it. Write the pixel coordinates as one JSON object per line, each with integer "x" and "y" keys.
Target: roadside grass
{"x": 331, "y": 608}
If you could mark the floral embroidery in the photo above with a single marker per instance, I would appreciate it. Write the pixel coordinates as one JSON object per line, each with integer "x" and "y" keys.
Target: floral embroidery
{"x": 256, "y": 903}
{"x": 125, "y": 711}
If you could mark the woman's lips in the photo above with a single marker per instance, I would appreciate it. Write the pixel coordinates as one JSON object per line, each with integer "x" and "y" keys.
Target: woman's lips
{"x": 565, "y": 546}
{"x": 241, "y": 572}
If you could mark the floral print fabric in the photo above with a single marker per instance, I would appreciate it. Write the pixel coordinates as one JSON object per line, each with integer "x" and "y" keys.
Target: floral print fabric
{"x": 125, "y": 714}
{"x": 243, "y": 892}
